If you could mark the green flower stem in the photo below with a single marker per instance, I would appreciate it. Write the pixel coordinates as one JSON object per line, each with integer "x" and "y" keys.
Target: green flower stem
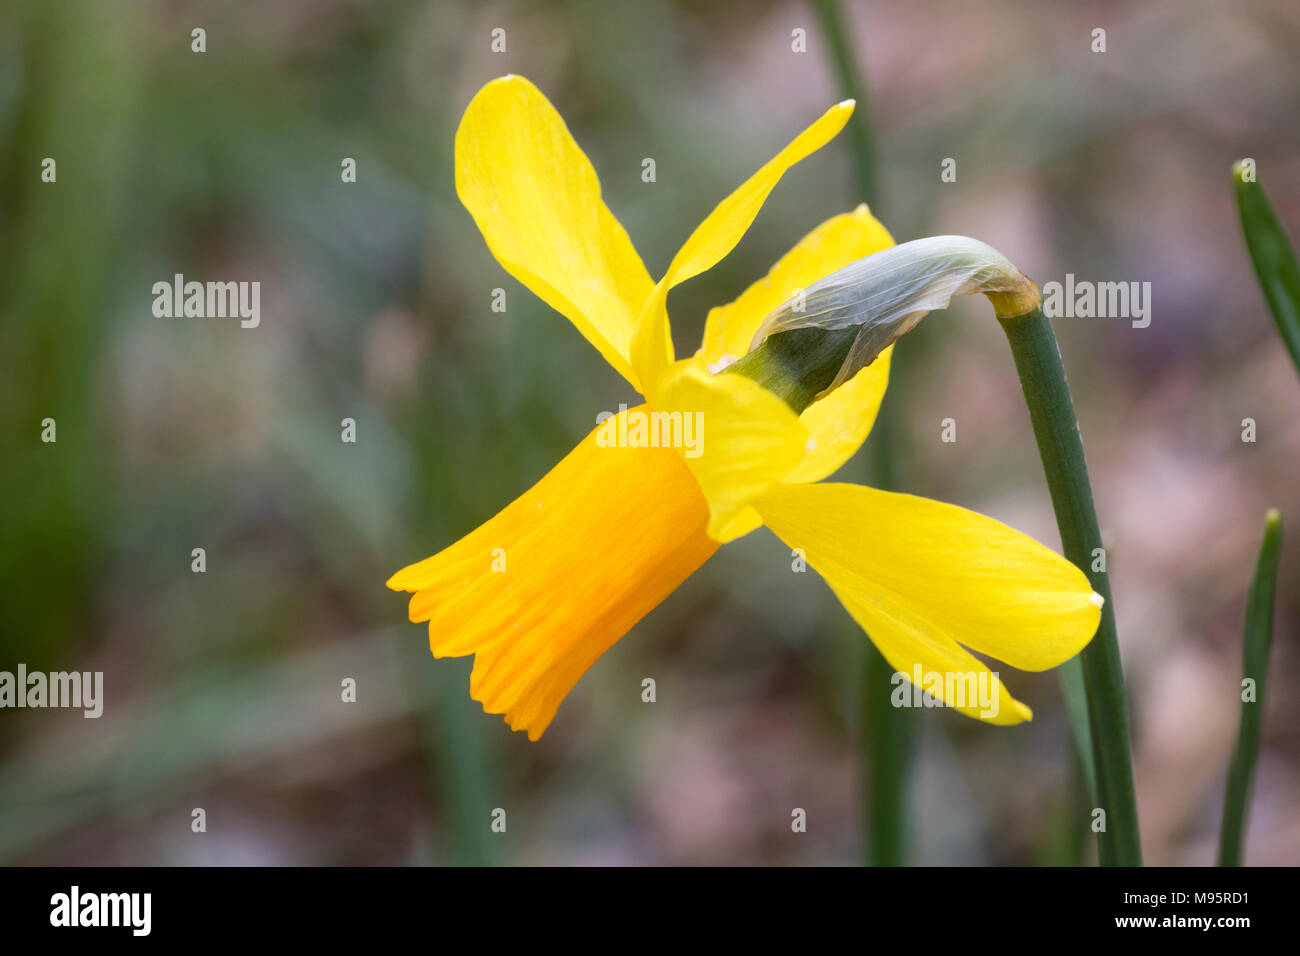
{"x": 1259, "y": 635}
{"x": 850, "y": 80}
{"x": 1076, "y": 711}
{"x": 885, "y": 731}
{"x": 1274, "y": 260}
{"x": 1042, "y": 378}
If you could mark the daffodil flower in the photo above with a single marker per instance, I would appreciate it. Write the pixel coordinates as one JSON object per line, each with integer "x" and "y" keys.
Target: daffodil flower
{"x": 541, "y": 590}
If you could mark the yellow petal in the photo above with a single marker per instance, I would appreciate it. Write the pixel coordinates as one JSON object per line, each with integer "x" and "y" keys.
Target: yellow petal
{"x": 745, "y": 521}
{"x": 745, "y": 439}
{"x": 830, "y": 247}
{"x": 540, "y": 591}
{"x": 840, "y": 422}
{"x": 922, "y": 576}
{"x": 717, "y": 235}
{"x": 536, "y": 199}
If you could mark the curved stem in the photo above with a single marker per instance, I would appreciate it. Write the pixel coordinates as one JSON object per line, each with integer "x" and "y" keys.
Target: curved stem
{"x": 1051, "y": 410}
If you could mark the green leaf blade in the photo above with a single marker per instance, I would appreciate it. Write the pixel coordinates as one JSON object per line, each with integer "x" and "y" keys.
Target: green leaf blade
{"x": 1273, "y": 258}
{"x": 1258, "y": 638}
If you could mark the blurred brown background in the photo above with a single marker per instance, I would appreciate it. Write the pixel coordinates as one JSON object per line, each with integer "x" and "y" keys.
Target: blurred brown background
{"x": 222, "y": 689}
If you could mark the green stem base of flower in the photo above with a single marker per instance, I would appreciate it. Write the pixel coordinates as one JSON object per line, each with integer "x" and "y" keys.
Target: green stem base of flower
{"x": 1051, "y": 411}
{"x": 799, "y": 364}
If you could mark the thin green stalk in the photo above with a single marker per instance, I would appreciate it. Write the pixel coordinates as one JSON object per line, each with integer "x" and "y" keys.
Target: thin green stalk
{"x": 1258, "y": 637}
{"x": 886, "y": 732}
{"x": 850, "y": 81}
{"x": 1273, "y": 257}
{"x": 1051, "y": 410}
{"x": 1076, "y": 711}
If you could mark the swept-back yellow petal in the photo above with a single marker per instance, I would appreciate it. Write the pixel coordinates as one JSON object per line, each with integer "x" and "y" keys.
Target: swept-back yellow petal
{"x": 828, "y": 248}
{"x": 536, "y": 199}
{"x": 840, "y": 422}
{"x": 540, "y": 591}
{"x": 745, "y": 438}
{"x": 922, "y": 576}
{"x": 937, "y": 665}
{"x": 717, "y": 235}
